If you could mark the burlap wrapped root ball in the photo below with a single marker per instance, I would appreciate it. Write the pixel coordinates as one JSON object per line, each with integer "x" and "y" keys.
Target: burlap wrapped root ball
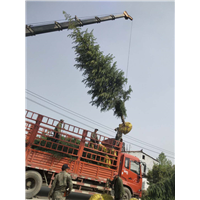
{"x": 102, "y": 148}
{"x": 107, "y": 197}
{"x": 96, "y": 197}
{"x": 101, "y": 197}
{"x": 125, "y": 129}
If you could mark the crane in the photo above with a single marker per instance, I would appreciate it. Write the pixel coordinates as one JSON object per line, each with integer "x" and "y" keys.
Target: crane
{"x": 32, "y": 30}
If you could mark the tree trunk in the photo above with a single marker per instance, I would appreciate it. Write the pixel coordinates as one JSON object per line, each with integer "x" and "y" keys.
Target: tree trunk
{"x": 123, "y": 121}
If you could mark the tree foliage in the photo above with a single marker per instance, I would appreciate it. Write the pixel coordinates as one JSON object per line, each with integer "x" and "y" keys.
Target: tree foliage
{"x": 163, "y": 160}
{"x": 161, "y": 180}
{"x": 101, "y": 76}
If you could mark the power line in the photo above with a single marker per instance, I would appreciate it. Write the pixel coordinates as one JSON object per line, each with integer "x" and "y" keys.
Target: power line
{"x": 92, "y": 121}
{"x": 90, "y": 126}
{"x": 57, "y": 112}
{"x": 63, "y": 108}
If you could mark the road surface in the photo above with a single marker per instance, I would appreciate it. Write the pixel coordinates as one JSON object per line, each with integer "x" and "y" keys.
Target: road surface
{"x": 43, "y": 194}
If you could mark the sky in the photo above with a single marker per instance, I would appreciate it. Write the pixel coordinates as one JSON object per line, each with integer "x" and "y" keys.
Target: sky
{"x": 143, "y": 48}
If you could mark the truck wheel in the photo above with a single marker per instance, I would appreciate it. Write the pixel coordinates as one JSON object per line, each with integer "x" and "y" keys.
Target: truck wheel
{"x": 127, "y": 194}
{"x": 33, "y": 183}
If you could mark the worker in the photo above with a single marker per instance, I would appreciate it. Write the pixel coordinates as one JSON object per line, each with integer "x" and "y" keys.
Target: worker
{"x": 117, "y": 137}
{"x": 62, "y": 185}
{"x": 94, "y": 137}
{"x": 118, "y": 186}
{"x": 57, "y": 130}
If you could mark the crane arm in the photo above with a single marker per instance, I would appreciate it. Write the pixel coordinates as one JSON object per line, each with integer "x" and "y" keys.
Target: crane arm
{"x": 56, "y": 26}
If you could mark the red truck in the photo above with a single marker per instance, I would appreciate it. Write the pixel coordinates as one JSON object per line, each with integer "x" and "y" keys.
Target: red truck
{"x": 90, "y": 164}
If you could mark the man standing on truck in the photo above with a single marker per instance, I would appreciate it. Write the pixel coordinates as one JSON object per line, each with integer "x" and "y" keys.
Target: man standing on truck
{"x": 60, "y": 185}
{"x": 94, "y": 137}
{"x": 118, "y": 186}
{"x": 57, "y": 130}
{"x": 118, "y": 137}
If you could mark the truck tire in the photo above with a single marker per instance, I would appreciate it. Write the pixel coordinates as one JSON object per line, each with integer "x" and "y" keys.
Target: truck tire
{"x": 33, "y": 183}
{"x": 127, "y": 194}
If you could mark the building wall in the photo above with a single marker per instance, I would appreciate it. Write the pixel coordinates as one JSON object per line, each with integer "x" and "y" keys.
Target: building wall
{"x": 149, "y": 164}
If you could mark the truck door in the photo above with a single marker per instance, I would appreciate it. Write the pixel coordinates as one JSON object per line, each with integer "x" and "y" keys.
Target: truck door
{"x": 131, "y": 173}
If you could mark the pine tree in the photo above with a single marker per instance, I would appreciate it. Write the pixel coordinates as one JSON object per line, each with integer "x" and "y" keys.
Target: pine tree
{"x": 101, "y": 76}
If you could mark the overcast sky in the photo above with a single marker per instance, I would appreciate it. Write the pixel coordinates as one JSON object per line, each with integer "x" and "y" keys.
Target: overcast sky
{"x": 50, "y": 70}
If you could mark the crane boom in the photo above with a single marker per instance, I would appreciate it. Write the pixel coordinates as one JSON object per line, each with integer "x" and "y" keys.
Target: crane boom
{"x": 56, "y": 26}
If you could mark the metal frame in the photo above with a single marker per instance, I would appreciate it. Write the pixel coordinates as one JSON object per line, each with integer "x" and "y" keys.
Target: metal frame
{"x": 37, "y": 126}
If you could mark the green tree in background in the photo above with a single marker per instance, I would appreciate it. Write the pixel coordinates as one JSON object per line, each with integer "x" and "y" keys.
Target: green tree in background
{"x": 163, "y": 160}
{"x": 101, "y": 76}
{"x": 161, "y": 180}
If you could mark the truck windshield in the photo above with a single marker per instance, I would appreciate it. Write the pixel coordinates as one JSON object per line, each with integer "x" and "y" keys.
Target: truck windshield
{"x": 135, "y": 167}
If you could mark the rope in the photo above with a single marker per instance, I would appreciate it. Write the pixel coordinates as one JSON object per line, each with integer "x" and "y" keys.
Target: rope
{"x": 129, "y": 53}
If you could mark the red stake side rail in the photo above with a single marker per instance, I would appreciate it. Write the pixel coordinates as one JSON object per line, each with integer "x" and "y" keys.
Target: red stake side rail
{"x": 74, "y": 142}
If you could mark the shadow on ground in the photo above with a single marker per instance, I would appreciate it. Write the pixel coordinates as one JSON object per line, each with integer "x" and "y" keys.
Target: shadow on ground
{"x": 43, "y": 194}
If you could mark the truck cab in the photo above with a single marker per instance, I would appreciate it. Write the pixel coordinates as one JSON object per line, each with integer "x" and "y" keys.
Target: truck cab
{"x": 131, "y": 174}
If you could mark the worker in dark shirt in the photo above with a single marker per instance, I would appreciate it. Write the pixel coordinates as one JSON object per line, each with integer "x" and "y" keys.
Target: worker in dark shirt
{"x": 94, "y": 137}
{"x": 118, "y": 137}
{"x": 57, "y": 130}
{"x": 62, "y": 185}
{"x": 118, "y": 186}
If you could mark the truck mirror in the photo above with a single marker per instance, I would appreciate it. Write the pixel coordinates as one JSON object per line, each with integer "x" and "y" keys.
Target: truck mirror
{"x": 144, "y": 167}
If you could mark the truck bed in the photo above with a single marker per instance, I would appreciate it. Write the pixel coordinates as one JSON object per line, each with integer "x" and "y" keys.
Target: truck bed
{"x": 45, "y": 161}
{"x": 75, "y": 146}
